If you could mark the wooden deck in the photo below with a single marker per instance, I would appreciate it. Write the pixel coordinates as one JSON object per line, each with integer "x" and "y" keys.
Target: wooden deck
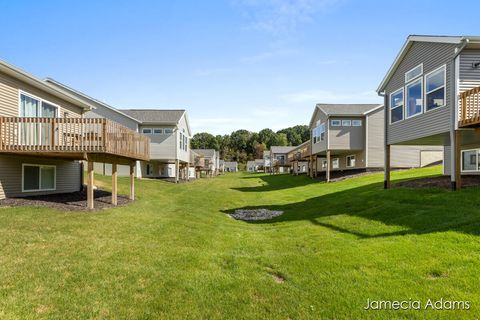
{"x": 469, "y": 110}
{"x": 72, "y": 138}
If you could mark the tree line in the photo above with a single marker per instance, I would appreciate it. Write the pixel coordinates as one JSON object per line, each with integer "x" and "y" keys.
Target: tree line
{"x": 243, "y": 145}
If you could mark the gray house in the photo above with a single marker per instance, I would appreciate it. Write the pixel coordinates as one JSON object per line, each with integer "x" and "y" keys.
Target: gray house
{"x": 210, "y": 161}
{"x": 168, "y": 130}
{"x": 431, "y": 94}
{"x": 350, "y": 137}
{"x": 231, "y": 166}
{"x": 279, "y": 158}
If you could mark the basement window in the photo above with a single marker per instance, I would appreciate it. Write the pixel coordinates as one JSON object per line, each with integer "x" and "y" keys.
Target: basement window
{"x": 350, "y": 161}
{"x": 147, "y": 131}
{"x": 38, "y": 177}
{"x": 335, "y": 163}
{"x": 470, "y": 160}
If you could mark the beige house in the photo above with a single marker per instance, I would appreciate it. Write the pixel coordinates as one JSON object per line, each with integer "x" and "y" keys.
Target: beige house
{"x": 209, "y": 160}
{"x": 279, "y": 158}
{"x": 351, "y": 137}
{"x": 44, "y": 136}
{"x": 299, "y": 158}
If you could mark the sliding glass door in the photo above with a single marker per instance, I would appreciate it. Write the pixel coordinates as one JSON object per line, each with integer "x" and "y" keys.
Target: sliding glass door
{"x": 33, "y": 133}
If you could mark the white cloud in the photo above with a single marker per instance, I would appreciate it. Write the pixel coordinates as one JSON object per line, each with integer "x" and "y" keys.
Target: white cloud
{"x": 318, "y": 96}
{"x": 281, "y": 16}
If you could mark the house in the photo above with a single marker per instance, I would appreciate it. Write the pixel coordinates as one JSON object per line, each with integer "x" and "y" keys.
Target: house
{"x": 256, "y": 165}
{"x": 231, "y": 166}
{"x": 350, "y": 137}
{"x": 279, "y": 158}
{"x": 267, "y": 162}
{"x": 45, "y": 137}
{"x": 431, "y": 95}
{"x": 299, "y": 158}
{"x": 209, "y": 161}
{"x": 168, "y": 130}
{"x": 221, "y": 166}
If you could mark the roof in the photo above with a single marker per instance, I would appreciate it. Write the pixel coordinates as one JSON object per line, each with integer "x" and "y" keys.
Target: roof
{"x": 424, "y": 38}
{"x": 205, "y": 152}
{"x": 64, "y": 87}
{"x": 353, "y": 109}
{"x": 231, "y": 163}
{"x": 163, "y": 116}
{"x": 300, "y": 146}
{"x": 281, "y": 149}
{"x": 42, "y": 85}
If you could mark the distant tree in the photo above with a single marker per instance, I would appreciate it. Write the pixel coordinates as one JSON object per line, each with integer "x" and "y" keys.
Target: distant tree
{"x": 267, "y": 136}
{"x": 259, "y": 149}
{"x": 204, "y": 140}
{"x": 281, "y": 140}
{"x": 239, "y": 140}
{"x": 296, "y": 135}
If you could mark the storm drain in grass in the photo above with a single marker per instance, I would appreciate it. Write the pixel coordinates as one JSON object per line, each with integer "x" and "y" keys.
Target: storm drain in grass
{"x": 255, "y": 214}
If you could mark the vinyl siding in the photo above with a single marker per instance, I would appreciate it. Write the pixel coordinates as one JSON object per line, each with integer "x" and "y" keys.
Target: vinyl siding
{"x": 67, "y": 175}
{"x": 432, "y": 55}
{"x": 162, "y": 146}
{"x": 359, "y": 161}
{"x": 182, "y": 127}
{"x": 375, "y": 138}
{"x": 9, "y": 98}
{"x": 320, "y": 145}
{"x": 103, "y": 112}
{"x": 469, "y": 77}
{"x": 106, "y": 169}
{"x": 346, "y": 138}
{"x": 410, "y": 156}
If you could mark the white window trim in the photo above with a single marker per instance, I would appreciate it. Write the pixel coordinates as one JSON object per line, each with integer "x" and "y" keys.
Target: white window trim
{"x": 21, "y": 92}
{"x": 324, "y": 164}
{"x": 346, "y": 161}
{"x": 346, "y": 125}
{"x": 156, "y": 133}
{"x": 402, "y": 89}
{"x": 151, "y": 130}
{"x": 336, "y": 125}
{"x": 421, "y": 73}
{"x": 39, "y": 176}
{"x": 164, "y": 132}
{"x": 444, "y": 67}
{"x": 476, "y": 163}
{"x": 338, "y": 161}
{"x": 411, "y": 83}
{"x": 361, "y": 123}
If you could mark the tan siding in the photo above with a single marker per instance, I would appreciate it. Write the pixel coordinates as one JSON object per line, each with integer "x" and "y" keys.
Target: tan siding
{"x": 359, "y": 161}
{"x": 375, "y": 132}
{"x": 320, "y": 145}
{"x": 410, "y": 156}
{"x": 162, "y": 146}
{"x": 9, "y": 94}
{"x": 432, "y": 55}
{"x": 346, "y": 138}
{"x": 182, "y": 127}
{"x": 67, "y": 175}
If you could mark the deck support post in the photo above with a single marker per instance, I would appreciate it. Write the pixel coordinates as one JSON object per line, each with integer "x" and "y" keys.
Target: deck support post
{"x": 386, "y": 180}
{"x": 132, "y": 182}
{"x": 458, "y": 159}
{"x": 188, "y": 171}
{"x": 90, "y": 200}
{"x": 177, "y": 170}
{"x": 329, "y": 164}
{"x": 311, "y": 166}
{"x": 114, "y": 184}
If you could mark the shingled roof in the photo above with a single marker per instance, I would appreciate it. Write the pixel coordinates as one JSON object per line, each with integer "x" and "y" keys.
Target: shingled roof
{"x": 346, "y": 109}
{"x": 155, "y": 115}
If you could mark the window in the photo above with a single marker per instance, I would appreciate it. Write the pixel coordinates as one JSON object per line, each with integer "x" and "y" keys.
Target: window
{"x": 350, "y": 161}
{"x": 319, "y": 133}
{"x": 158, "y": 131}
{"x": 335, "y": 163}
{"x": 346, "y": 123}
{"x": 147, "y": 131}
{"x": 34, "y": 107}
{"x": 181, "y": 141}
{"x": 149, "y": 169}
{"x": 324, "y": 164}
{"x": 414, "y": 73}
{"x": 414, "y": 101}
{"x": 396, "y": 106}
{"x": 357, "y": 123}
{"x": 185, "y": 143}
{"x": 38, "y": 177}
{"x": 168, "y": 130}
{"x": 435, "y": 89}
{"x": 470, "y": 160}
{"x": 336, "y": 123}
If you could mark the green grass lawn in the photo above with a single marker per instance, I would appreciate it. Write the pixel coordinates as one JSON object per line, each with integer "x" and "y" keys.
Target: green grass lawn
{"x": 175, "y": 254}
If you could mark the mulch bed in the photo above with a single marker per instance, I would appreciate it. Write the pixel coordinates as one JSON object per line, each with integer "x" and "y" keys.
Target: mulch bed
{"x": 442, "y": 182}
{"x": 75, "y": 201}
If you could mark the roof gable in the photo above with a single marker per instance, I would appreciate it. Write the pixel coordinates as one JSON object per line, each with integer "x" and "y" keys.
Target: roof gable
{"x": 161, "y": 116}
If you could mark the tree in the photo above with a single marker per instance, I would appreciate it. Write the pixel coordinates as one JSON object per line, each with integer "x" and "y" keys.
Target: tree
{"x": 267, "y": 136}
{"x": 296, "y": 135}
{"x": 204, "y": 140}
{"x": 239, "y": 140}
{"x": 259, "y": 149}
{"x": 281, "y": 140}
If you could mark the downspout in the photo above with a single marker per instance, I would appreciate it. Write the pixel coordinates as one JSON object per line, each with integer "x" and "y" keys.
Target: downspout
{"x": 454, "y": 115}
{"x": 386, "y": 158}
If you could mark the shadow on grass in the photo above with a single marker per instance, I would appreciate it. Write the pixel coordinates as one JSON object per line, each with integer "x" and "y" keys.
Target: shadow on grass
{"x": 277, "y": 182}
{"x": 415, "y": 211}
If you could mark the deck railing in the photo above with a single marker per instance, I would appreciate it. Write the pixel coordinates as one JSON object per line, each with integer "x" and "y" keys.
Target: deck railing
{"x": 85, "y": 135}
{"x": 469, "y": 110}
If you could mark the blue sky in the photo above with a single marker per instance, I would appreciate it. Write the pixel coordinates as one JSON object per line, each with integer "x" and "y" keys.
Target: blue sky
{"x": 233, "y": 64}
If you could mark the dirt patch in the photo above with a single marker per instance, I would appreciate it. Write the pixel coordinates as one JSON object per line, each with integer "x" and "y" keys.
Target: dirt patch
{"x": 442, "y": 182}
{"x": 277, "y": 276}
{"x": 75, "y": 201}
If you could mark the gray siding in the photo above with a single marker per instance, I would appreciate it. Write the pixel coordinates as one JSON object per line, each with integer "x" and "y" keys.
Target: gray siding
{"x": 411, "y": 156}
{"x": 106, "y": 169}
{"x": 104, "y": 112}
{"x": 67, "y": 175}
{"x": 346, "y": 138}
{"x": 469, "y": 77}
{"x": 162, "y": 146}
{"x": 432, "y": 55}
